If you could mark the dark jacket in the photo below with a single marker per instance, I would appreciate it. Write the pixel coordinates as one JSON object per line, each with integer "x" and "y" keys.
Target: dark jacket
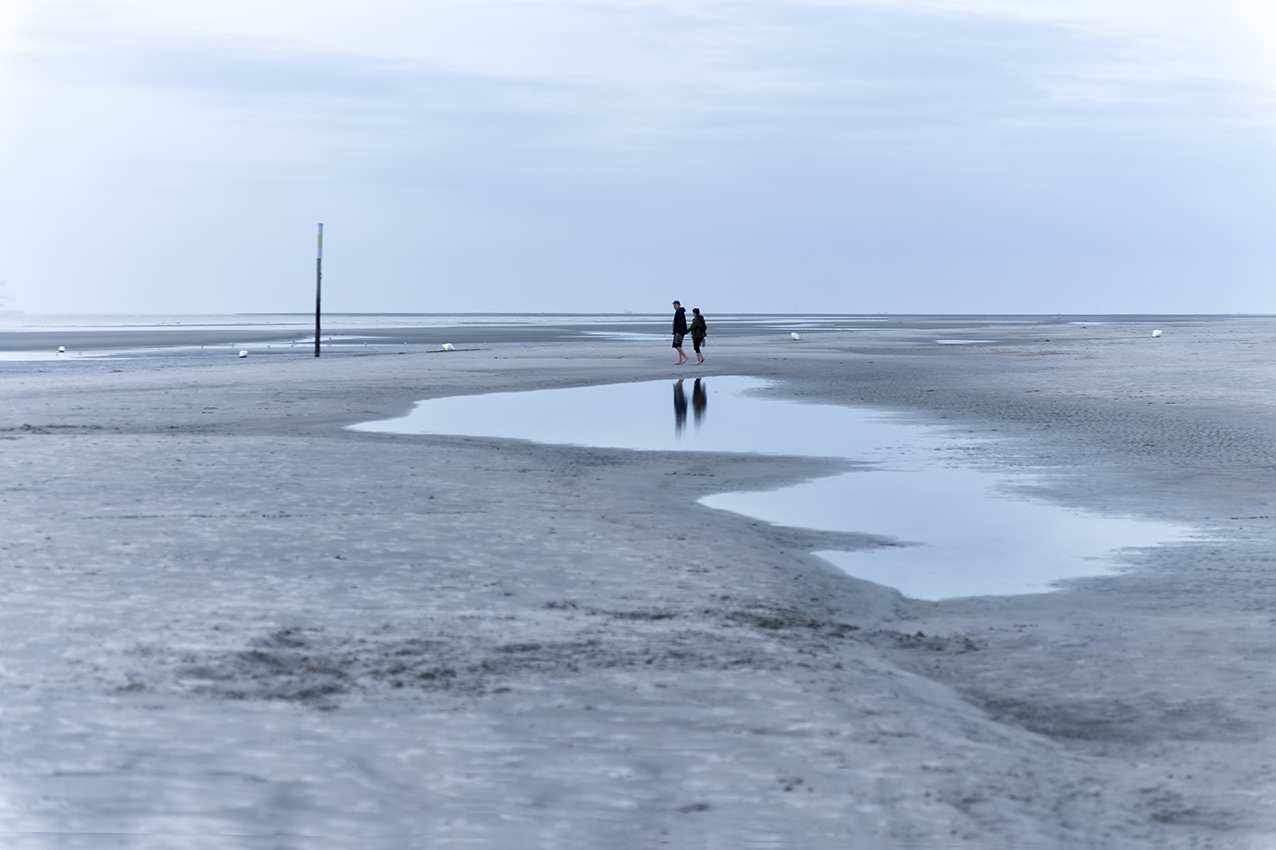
{"x": 698, "y": 327}
{"x": 680, "y": 320}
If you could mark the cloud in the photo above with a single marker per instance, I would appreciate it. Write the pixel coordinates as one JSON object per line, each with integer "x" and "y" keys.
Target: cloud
{"x": 633, "y": 73}
{"x": 556, "y": 144}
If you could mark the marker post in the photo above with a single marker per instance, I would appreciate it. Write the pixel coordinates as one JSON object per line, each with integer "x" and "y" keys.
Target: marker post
{"x": 318, "y": 287}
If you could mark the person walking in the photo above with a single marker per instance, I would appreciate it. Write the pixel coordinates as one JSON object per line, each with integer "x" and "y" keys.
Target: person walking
{"x": 698, "y": 332}
{"x": 679, "y": 331}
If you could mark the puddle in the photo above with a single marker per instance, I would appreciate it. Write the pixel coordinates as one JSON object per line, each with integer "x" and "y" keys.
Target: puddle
{"x": 86, "y": 354}
{"x": 975, "y": 538}
{"x": 968, "y": 533}
{"x": 628, "y": 335}
{"x": 94, "y": 354}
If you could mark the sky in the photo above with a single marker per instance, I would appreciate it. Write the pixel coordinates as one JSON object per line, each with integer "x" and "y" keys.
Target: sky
{"x": 1008, "y": 156}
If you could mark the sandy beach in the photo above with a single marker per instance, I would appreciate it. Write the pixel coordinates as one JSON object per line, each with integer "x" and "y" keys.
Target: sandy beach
{"x": 229, "y": 621}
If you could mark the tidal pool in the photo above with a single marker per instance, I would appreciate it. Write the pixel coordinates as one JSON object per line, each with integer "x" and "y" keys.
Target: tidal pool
{"x": 968, "y": 532}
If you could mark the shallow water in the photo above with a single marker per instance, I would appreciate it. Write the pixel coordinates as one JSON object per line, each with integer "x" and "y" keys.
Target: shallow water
{"x": 969, "y": 534}
{"x": 36, "y": 338}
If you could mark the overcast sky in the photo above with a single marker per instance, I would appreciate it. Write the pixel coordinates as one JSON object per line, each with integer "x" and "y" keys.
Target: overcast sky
{"x": 607, "y": 155}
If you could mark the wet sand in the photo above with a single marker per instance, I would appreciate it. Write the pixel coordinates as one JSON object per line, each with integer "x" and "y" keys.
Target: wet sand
{"x": 226, "y": 616}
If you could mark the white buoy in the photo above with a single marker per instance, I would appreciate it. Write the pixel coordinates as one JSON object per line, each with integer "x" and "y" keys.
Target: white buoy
{"x": 243, "y": 354}
{"x": 61, "y": 349}
{"x": 447, "y": 346}
{"x": 794, "y": 336}
{"x": 1156, "y": 333}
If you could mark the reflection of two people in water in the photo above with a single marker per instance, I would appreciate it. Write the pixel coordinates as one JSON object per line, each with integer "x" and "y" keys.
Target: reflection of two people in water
{"x": 699, "y": 401}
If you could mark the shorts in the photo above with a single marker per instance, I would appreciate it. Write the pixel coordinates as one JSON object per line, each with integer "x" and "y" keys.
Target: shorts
{"x": 677, "y": 340}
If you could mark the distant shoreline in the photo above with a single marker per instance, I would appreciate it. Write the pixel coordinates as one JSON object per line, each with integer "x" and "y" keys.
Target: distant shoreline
{"x": 192, "y": 336}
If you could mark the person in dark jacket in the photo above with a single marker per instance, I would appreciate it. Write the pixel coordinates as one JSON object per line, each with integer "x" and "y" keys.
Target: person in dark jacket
{"x": 698, "y": 332}
{"x": 679, "y": 331}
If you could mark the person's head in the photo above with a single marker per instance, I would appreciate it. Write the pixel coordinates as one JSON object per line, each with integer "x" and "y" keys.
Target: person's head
{"x": 695, "y": 310}
{"x": 677, "y": 303}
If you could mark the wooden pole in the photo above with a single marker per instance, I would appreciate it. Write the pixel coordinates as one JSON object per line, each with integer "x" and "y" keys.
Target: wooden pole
{"x": 318, "y": 288}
